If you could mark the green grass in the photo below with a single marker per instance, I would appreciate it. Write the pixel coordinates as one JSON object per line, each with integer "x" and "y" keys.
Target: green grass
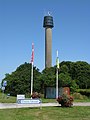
{"x": 84, "y": 100}
{"x": 4, "y": 99}
{"x": 54, "y": 100}
{"x": 48, "y": 100}
{"x": 46, "y": 113}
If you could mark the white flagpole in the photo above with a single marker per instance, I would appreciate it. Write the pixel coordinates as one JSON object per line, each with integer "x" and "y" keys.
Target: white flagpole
{"x": 32, "y": 79}
{"x": 32, "y": 59}
{"x": 57, "y": 75}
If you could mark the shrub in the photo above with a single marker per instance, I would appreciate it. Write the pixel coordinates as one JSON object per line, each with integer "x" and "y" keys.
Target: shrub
{"x": 65, "y": 100}
{"x": 28, "y": 95}
{"x": 85, "y": 92}
{"x": 79, "y": 96}
{"x": 35, "y": 95}
{"x": 73, "y": 86}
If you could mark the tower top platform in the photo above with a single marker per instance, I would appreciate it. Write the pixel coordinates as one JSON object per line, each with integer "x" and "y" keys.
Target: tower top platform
{"x": 48, "y": 22}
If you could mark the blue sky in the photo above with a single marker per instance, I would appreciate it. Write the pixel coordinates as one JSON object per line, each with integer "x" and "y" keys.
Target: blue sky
{"x": 21, "y": 23}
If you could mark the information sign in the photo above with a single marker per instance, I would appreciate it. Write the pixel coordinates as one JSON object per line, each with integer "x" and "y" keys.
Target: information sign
{"x": 3, "y": 88}
{"x": 4, "y": 83}
{"x": 20, "y": 97}
{"x": 29, "y": 101}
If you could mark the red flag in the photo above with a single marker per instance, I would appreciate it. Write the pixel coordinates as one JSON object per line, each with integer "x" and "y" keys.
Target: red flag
{"x": 32, "y": 56}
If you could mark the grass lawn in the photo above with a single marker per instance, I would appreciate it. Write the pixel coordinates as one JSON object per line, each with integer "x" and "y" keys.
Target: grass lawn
{"x": 11, "y": 99}
{"x": 4, "y": 99}
{"x": 46, "y": 113}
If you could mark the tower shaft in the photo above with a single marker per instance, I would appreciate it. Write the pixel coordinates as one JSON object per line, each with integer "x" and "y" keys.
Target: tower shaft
{"x": 48, "y": 47}
{"x": 48, "y": 25}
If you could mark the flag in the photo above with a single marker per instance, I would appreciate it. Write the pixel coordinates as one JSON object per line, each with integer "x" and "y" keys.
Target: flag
{"x": 32, "y": 56}
{"x": 57, "y": 62}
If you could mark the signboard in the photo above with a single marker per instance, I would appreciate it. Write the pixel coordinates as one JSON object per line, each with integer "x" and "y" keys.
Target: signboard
{"x": 3, "y": 88}
{"x": 28, "y": 101}
{"x": 4, "y": 83}
{"x": 20, "y": 97}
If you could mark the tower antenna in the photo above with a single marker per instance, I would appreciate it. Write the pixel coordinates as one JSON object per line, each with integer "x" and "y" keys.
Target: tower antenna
{"x": 49, "y": 13}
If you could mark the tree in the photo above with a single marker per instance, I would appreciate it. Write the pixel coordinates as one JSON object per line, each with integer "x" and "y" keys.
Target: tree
{"x": 78, "y": 71}
{"x": 73, "y": 86}
{"x": 64, "y": 69}
{"x": 49, "y": 75}
{"x": 64, "y": 80}
{"x": 82, "y": 74}
{"x": 18, "y": 82}
{"x": 72, "y": 74}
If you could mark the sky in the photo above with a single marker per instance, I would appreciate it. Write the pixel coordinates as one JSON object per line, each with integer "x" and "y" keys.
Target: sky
{"x": 21, "y": 23}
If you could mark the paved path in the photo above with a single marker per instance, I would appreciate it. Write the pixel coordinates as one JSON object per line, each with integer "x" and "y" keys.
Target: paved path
{"x": 81, "y": 104}
{"x": 15, "y": 105}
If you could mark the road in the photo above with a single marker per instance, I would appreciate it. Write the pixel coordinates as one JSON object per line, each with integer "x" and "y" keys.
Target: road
{"x": 15, "y": 105}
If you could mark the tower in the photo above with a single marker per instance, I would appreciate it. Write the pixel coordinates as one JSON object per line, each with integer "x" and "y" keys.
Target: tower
{"x": 48, "y": 25}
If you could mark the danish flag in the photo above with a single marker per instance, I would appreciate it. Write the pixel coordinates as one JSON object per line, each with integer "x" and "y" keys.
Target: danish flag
{"x": 32, "y": 56}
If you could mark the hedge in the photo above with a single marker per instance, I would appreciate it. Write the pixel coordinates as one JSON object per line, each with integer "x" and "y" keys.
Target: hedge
{"x": 85, "y": 92}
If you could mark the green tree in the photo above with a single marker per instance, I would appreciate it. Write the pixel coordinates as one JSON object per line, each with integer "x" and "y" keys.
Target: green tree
{"x": 64, "y": 69}
{"x": 49, "y": 75}
{"x": 64, "y": 80}
{"x": 82, "y": 74}
{"x": 78, "y": 71}
{"x": 19, "y": 82}
{"x": 73, "y": 86}
{"x": 72, "y": 74}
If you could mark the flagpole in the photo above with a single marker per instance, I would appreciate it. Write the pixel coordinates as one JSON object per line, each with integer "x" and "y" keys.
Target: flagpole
{"x": 57, "y": 83}
{"x": 32, "y": 60}
{"x": 32, "y": 79}
{"x": 57, "y": 63}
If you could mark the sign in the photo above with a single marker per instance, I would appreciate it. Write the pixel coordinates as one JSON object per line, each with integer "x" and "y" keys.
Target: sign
{"x": 3, "y": 88}
{"x": 29, "y": 101}
{"x": 20, "y": 97}
{"x": 4, "y": 83}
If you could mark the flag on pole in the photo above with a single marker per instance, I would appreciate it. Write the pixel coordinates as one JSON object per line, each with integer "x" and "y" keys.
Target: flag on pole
{"x": 57, "y": 61}
{"x": 32, "y": 56}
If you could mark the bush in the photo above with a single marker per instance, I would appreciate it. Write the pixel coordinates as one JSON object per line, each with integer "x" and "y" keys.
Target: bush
{"x": 85, "y": 92}
{"x": 35, "y": 95}
{"x": 79, "y": 96}
{"x": 65, "y": 100}
{"x": 28, "y": 95}
{"x": 73, "y": 86}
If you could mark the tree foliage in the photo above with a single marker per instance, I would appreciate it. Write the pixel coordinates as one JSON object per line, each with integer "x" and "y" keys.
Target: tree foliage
{"x": 72, "y": 74}
{"x": 18, "y": 82}
{"x": 64, "y": 80}
{"x": 79, "y": 71}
